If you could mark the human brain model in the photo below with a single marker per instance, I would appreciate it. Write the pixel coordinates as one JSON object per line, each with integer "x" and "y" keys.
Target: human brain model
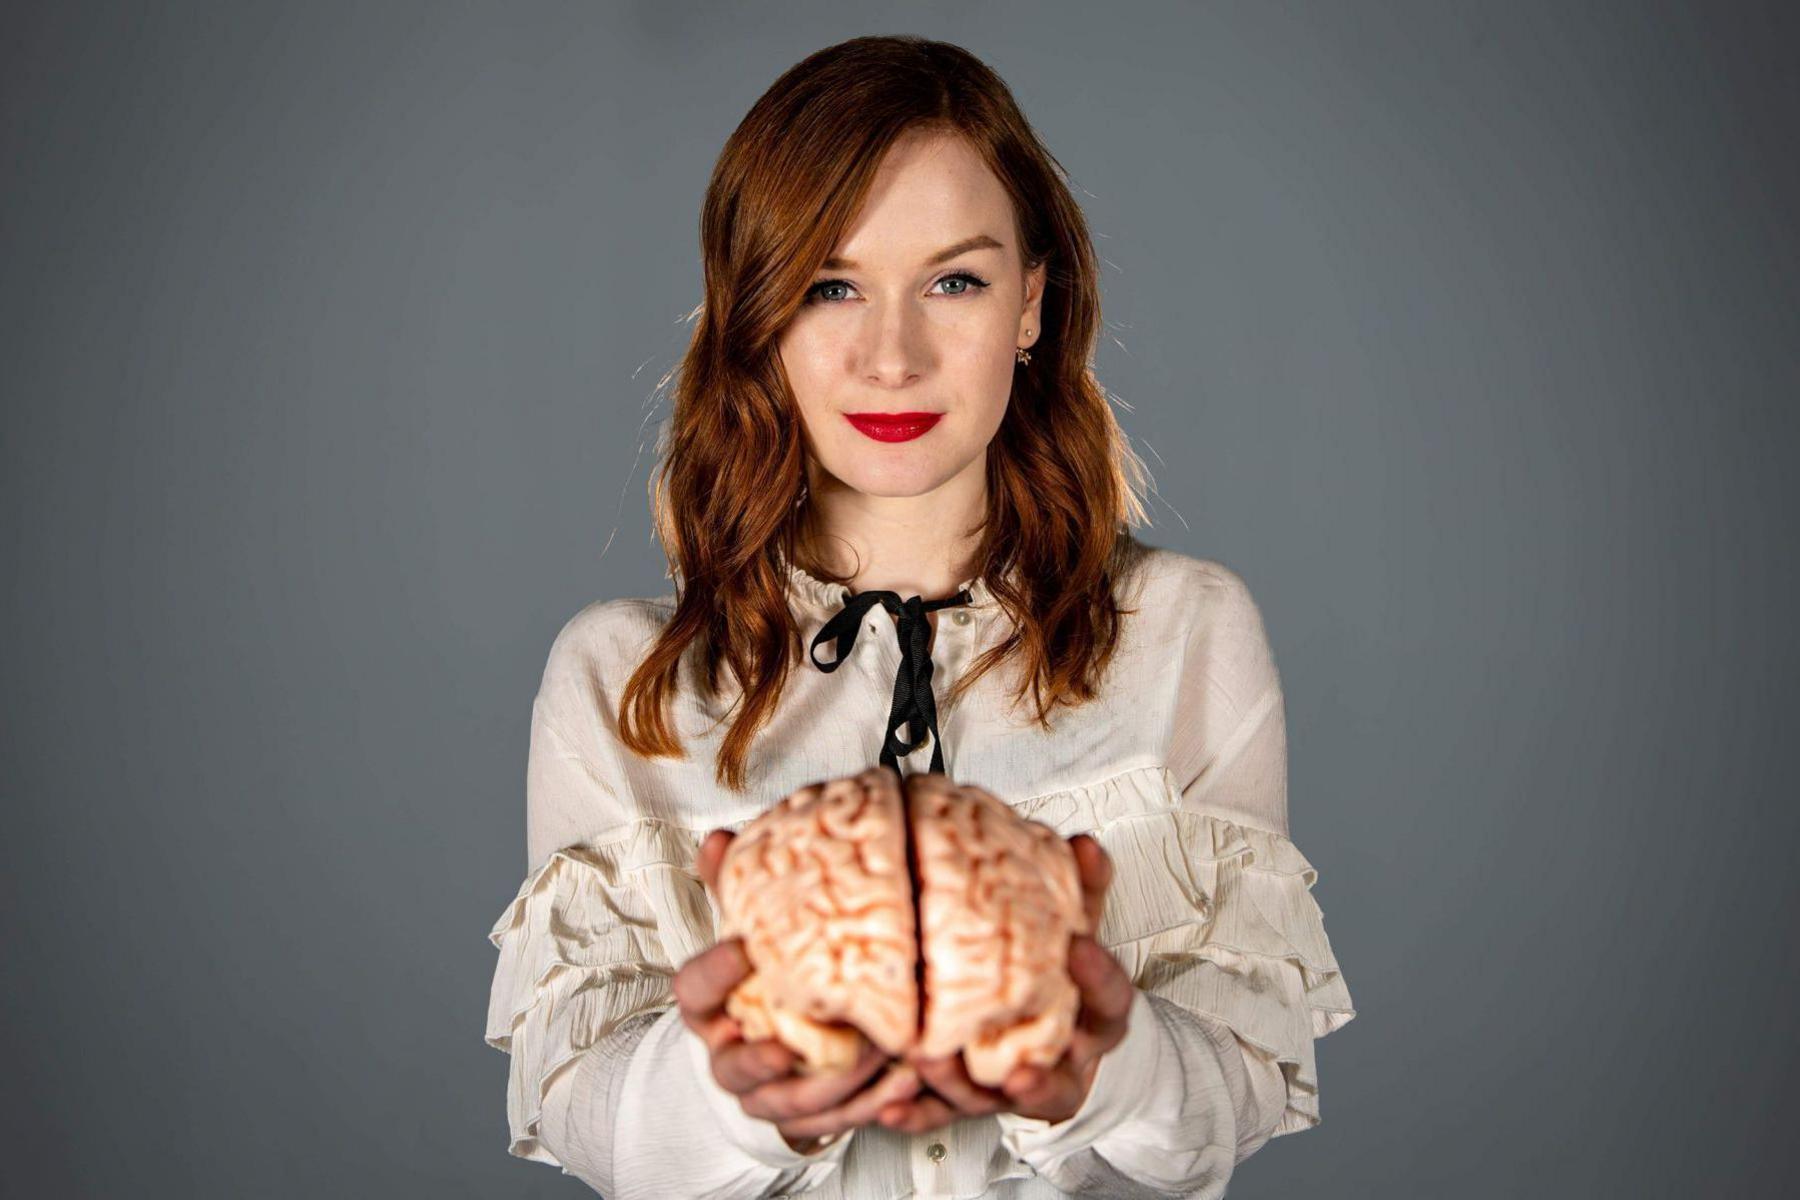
{"x": 924, "y": 913}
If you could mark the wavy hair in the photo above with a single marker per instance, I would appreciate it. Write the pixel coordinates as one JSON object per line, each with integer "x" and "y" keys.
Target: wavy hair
{"x": 729, "y": 498}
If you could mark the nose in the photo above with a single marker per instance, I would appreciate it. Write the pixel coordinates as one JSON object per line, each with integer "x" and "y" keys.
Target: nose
{"x": 895, "y": 349}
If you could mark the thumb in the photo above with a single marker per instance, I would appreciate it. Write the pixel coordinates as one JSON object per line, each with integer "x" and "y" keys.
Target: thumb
{"x": 710, "y": 855}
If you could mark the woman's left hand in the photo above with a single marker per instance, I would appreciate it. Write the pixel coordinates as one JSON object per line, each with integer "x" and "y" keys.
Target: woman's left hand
{"x": 1050, "y": 1094}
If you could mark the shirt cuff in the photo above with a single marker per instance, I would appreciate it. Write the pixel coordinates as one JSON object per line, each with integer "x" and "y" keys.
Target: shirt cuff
{"x": 756, "y": 1137}
{"x": 1117, "y": 1095}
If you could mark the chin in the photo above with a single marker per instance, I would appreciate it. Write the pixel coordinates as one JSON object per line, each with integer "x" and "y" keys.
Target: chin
{"x": 892, "y": 489}
{"x": 894, "y": 479}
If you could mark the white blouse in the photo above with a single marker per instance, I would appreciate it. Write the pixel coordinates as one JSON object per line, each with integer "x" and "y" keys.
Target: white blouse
{"x": 1179, "y": 770}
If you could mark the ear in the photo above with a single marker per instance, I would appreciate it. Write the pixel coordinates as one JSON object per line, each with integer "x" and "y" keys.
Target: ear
{"x": 1032, "y": 318}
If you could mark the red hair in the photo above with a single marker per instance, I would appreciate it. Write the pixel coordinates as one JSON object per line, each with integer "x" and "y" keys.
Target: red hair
{"x": 728, "y": 498}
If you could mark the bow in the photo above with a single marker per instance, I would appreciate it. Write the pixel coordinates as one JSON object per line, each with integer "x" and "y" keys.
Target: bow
{"x": 913, "y": 699}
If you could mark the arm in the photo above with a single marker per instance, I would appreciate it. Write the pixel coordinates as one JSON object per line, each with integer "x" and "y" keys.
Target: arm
{"x": 701, "y": 1142}
{"x": 1174, "y": 1107}
{"x": 1218, "y": 1056}
{"x": 603, "y": 1079}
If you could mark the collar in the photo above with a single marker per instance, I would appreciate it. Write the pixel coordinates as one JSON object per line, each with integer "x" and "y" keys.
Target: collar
{"x": 827, "y": 597}
{"x": 914, "y": 709}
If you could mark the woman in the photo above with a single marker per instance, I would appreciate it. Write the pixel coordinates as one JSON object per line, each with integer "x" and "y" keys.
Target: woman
{"x": 887, "y": 399}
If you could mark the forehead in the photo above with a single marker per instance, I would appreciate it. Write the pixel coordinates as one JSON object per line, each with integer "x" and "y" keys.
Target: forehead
{"x": 929, "y": 191}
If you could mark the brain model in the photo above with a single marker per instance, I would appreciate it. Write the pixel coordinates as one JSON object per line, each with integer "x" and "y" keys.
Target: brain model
{"x": 923, "y": 913}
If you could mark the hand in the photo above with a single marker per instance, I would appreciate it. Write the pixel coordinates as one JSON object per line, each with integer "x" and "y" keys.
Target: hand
{"x": 1053, "y": 1094}
{"x": 807, "y": 1109}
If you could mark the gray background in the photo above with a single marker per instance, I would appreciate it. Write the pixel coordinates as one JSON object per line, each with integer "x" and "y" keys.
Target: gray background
{"x": 1466, "y": 333}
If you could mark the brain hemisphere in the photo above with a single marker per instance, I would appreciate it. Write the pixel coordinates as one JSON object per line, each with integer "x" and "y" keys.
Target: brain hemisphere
{"x": 818, "y": 888}
{"x": 823, "y": 893}
{"x": 998, "y": 898}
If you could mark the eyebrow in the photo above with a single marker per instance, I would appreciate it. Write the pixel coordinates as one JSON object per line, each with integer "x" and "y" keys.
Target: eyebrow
{"x": 980, "y": 241}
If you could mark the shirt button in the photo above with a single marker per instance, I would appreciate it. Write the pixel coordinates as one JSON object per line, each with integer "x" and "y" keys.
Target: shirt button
{"x": 961, "y": 618}
{"x": 935, "y": 1152}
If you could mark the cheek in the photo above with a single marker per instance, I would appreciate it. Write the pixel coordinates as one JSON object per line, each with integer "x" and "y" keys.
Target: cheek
{"x": 983, "y": 369}
{"x": 807, "y": 361}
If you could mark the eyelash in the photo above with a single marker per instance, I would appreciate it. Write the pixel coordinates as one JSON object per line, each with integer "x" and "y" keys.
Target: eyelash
{"x": 977, "y": 283}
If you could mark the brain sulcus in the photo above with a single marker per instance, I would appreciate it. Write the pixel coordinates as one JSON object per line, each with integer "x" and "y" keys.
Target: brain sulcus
{"x": 924, "y": 913}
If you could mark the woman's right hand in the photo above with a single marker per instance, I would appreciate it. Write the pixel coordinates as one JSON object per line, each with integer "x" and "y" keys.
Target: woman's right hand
{"x": 806, "y": 1108}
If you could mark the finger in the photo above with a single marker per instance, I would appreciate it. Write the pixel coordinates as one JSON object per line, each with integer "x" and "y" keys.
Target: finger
{"x": 949, "y": 1078}
{"x": 1096, "y": 876}
{"x": 706, "y": 979}
{"x": 710, "y": 855}
{"x": 1047, "y": 1093}
{"x": 805, "y": 1095}
{"x": 1106, "y": 990}
{"x": 899, "y": 1084}
{"x": 921, "y": 1114}
{"x": 741, "y": 1066}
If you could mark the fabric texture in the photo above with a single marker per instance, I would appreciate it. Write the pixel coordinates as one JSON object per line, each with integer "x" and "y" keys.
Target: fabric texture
{"x": 1179, "y": 770}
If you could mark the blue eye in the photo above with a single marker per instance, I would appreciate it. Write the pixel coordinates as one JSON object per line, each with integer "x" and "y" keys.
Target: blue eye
{"x": 813, "y": 293}
{"x": 972, "y": 283}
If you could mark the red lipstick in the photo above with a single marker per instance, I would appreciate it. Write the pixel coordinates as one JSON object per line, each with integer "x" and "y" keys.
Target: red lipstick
{"x": 893, "y": 427}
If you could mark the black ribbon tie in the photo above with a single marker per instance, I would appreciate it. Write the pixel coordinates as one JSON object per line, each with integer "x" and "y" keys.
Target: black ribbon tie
{"x": 914, "y": 703}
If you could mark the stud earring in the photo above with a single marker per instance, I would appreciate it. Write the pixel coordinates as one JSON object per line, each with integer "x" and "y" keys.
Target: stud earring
{"x": 1021, "y": 354}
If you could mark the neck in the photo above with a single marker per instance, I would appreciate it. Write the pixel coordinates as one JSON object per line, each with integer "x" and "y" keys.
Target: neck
{"x": 912, "y": 545}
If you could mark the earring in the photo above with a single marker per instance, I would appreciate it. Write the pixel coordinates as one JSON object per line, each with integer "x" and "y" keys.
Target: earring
{"x": 1021, "y": 354}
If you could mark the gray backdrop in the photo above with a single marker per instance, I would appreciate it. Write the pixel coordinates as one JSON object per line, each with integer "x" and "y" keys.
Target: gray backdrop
{"x": 1466, "y": 333}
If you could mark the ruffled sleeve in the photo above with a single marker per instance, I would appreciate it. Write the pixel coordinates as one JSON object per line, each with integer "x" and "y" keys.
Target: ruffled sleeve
{"x": 592, "y": 938}
{"x": 1216, "y": 916}
{"x": 609, "y": 906}
{"x": 604, "y": 1080}
{"x": 1210, "y": 912}
{"x": 1253, "y": 951}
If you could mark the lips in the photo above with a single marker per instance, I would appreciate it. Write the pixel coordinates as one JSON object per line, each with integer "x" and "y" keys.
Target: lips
{"x": 893, "y": 427}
